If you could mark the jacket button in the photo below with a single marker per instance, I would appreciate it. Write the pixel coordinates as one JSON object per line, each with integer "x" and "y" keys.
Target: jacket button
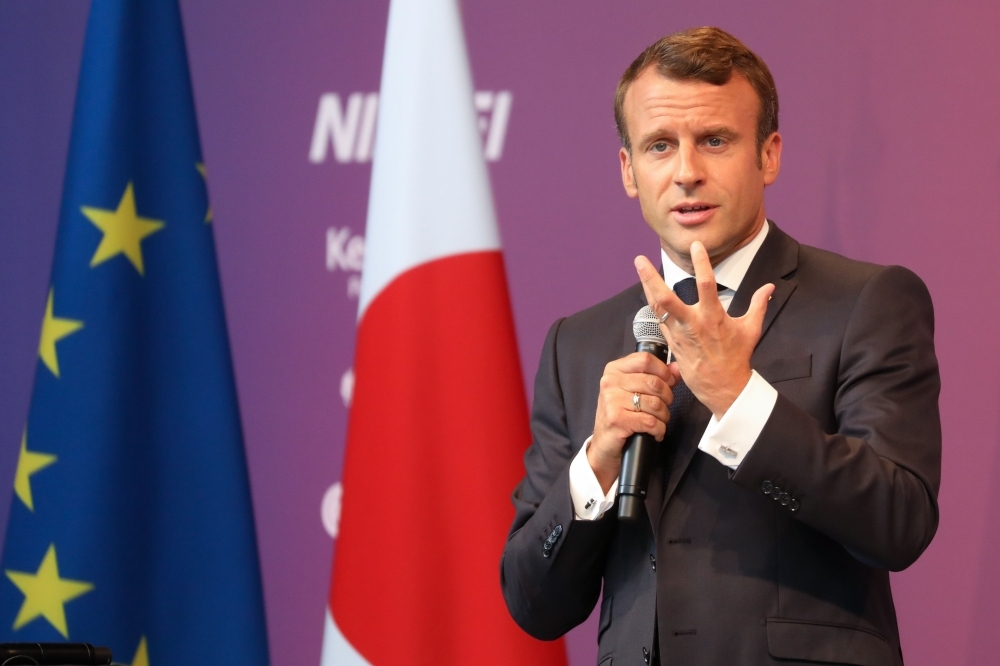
{"x": 785, "y": 499}
{"x": 767, "y": 487}
{"x": 652, "y": 561}
{"x": 793, "y": 506}
{"x": 645, "y": 655}
{"x": 557, "y": 531}
{"x": 776, "y": 495}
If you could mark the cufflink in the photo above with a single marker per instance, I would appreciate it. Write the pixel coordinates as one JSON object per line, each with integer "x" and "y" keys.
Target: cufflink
{"x": 727, "y": 450}
{"x": 589, "y": 503}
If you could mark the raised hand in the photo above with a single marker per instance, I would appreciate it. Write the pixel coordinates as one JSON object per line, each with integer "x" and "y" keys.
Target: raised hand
{"x": 711, "y": 349}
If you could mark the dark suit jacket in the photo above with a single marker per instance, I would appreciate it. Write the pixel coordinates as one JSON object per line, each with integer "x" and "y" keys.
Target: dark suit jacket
{"x": 723, "y": 565}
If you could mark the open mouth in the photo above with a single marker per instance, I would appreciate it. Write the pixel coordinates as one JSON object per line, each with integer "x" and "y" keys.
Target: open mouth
{"x": 693, "y": 213}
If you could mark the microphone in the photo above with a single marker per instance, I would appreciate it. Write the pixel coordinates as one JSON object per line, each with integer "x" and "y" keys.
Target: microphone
{"x": 640, "y": 448}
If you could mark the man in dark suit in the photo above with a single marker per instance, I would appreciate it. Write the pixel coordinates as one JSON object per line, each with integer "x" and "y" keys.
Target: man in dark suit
{"x": 800, "y": 452}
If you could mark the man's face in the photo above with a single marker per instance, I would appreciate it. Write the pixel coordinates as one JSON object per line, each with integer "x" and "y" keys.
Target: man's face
{"x": 694, "y": 162}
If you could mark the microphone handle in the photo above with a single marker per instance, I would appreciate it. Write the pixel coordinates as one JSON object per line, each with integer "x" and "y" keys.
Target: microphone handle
{"x": 638, "y": 455}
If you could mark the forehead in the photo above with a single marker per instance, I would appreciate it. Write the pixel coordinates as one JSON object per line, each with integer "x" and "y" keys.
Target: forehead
{"x": 656, "y": 102}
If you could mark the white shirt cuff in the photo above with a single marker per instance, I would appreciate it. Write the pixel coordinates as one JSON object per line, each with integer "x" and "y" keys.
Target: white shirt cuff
{"x": 589, "y": 501}
{"x": 730, "y": 438}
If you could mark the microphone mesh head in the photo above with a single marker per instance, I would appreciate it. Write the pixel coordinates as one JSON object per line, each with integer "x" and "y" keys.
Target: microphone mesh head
{"x": 646, "y": 326}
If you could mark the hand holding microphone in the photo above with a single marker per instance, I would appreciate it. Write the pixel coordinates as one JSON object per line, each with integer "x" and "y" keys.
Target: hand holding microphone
{"x": 640, "y": 448}
{"x": 636, "y": 392}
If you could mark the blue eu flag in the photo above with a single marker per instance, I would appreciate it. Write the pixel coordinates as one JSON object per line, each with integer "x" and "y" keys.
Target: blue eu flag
{"x": 131, "y": 524}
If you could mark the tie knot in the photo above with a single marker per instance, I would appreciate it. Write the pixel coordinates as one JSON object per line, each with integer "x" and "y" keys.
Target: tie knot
{"x": 687, "y": 290}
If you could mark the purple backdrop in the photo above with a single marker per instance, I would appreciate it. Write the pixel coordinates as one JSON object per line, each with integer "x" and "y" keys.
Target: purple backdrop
{"x": 892, "y": 154}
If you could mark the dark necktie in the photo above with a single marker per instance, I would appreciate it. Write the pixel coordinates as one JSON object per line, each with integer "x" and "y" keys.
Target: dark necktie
{"x": 687, "y": 291}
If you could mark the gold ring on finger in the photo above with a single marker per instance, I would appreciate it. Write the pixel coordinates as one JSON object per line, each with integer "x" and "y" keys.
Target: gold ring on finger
{"x": 635, "y": 402}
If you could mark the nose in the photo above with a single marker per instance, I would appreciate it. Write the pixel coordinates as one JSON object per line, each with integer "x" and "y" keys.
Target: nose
{"x": 689, "y": 174}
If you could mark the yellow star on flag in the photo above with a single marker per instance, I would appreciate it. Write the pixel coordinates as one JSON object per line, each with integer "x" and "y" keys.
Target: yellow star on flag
{"x": 204, "y": 174}
{"x": 54, "y": 329}
{"x": 28, "y": 463}
{"x": 123, "y": 230}
{"x": 141, "y": 657}
{"x": 45, "y": 593}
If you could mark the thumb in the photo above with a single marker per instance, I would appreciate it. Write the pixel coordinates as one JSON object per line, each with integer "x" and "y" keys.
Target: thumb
{"x": 675, "y": 374}
{"x": 758, "y": 308}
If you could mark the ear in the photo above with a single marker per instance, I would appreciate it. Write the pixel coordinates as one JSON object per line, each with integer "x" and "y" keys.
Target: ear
{"x": 628, "y": 178}
{"x": 771, "y": 158}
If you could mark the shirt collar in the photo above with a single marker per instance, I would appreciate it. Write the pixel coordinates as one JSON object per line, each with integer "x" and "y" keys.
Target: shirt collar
{"x": 729, "y": 272}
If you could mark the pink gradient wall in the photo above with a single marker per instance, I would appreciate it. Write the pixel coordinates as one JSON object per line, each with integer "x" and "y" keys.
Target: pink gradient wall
{"x": 892, "y": 154}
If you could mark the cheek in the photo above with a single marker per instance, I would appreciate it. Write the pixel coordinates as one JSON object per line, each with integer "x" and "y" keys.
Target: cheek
{"x": 747, "y": 186}
{"x": 651, "y": 188}
{"x": 656, "y": 175}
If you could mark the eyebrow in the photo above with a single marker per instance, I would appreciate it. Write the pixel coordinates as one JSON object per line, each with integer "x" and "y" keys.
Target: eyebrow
{"x": 721, "y": 130}
{"x": 657, "y": 134}
{"x": 660, "y": 135}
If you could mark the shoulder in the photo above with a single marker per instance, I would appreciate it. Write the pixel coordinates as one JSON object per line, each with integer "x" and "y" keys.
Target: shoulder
{"x": 782, "y": 255}
{"x": 825, "y": 271}
{"x": 603, "y": 323}
{"x": 585, "y": 341}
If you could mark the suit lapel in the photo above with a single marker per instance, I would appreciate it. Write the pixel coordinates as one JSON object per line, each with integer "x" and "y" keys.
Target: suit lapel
{"x": 775, "y": 262}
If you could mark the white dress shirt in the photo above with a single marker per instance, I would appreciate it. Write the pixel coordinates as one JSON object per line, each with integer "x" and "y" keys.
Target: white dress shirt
{"x": 727, "y": 439}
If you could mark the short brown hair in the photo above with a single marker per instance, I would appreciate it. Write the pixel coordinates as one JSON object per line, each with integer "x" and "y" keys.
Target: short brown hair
{"x": 703, "y": 54}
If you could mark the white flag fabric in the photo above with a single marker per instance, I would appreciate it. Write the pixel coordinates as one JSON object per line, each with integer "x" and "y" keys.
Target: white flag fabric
{"x": 430, "y": 194}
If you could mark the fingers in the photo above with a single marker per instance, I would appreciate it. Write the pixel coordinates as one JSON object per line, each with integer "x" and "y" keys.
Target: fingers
{"x": 659, "y": 296}
{"x": 708, "y": 292}
{"x": 617, "y": 418}
{"x": 642, "y": 363}
{"x": 623, "y": 421}
{"x": 754, "y": 317}
{"x": 618, "y": 391}
{"x": 631, "y": 423}
{"x": 654, "y": 395}
{"x": 613, "y": 425}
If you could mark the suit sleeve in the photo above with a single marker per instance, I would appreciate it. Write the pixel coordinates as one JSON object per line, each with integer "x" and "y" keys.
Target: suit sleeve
{"x": 551, "y": 590}
{"x": 871, "y": 486}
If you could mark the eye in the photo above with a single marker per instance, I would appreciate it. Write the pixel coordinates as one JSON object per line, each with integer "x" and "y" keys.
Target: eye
{"x": 716, "y": 142}
{"x": 658, "y": 147}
